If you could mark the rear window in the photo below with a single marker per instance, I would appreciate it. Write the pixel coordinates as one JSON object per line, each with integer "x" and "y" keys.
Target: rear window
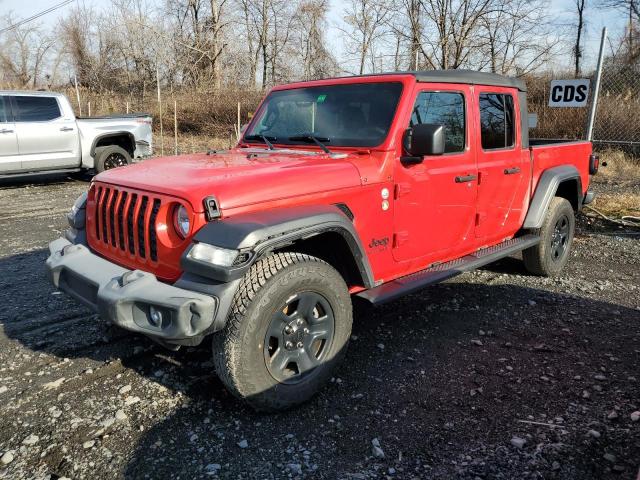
{"x": 37, "y": 109}
{"x": 4, "y": 110}
{"x": 497, "y": 123}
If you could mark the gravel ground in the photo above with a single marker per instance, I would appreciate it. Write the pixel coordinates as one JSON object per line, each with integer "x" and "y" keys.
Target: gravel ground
{"x": 494, "y": 375}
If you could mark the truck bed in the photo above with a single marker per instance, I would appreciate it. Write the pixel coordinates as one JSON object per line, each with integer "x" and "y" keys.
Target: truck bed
{"x": 549, "y": 153}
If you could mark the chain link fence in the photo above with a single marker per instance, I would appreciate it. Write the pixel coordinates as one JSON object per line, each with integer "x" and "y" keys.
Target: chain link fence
{"x": 617, "y": 122}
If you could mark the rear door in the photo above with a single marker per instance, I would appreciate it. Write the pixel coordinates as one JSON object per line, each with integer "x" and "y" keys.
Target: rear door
{"x": 435, "y": 205}
{"x": 503, "y": 166}
{"x": 9, "y": 158}
{"x": 47, "y": 137}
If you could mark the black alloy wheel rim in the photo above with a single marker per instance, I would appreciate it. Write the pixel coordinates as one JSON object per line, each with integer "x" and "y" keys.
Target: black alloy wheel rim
{"x": 560, "y": 238}
{"x": 299, "y": 338}
{"x": 114, "y": 160}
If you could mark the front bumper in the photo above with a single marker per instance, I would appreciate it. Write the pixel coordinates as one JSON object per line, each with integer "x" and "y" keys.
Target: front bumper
{"x": 127, "y": 297}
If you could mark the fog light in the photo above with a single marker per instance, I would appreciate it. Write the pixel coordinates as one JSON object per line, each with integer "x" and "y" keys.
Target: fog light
{"x": 155, "y": 316}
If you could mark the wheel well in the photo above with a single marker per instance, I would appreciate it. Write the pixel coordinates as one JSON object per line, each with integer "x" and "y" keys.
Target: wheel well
{"x": 570, "y": 189}
{"x": 333, "y": 249}
{"x": 122, "y": 140}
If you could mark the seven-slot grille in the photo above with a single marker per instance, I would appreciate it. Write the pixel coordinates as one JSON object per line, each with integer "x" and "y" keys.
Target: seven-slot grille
{"x": 126, "y": 221}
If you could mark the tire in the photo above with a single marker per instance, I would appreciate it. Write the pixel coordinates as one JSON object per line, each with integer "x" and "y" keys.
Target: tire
{"x": 278, "y": 292}
{"x": 549, "y": 257}
{"x": 111, "y": 156}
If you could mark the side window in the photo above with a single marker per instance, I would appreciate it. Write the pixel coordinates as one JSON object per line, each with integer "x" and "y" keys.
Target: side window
{"x": 37, "y": 109}
{"x": 497, "y": 121}
{"x": 4, "y": 110}
{"x": 442, "y": 108}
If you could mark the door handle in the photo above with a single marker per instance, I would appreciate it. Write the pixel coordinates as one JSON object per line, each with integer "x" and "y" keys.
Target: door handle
{"x": 66, "y": 129}
{"x": 6, "y": 130}
{"x": 466, "y": 178}
{"x": 511, "y": 171}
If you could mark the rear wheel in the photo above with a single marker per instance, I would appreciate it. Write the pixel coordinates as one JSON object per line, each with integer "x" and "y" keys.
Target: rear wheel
{"x": 549, "y": 257}
{"x": 111, "y": 156}
{"x": 288, "y": 330}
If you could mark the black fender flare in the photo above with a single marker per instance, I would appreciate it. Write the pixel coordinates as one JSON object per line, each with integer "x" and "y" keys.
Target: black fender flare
{"x": 258, "y": 233}
{"x": 546, "y": 189}
{"x": 129, "y": 135}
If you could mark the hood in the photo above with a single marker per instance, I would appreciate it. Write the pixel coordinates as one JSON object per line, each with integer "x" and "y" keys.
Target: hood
{"x": 238, "y": 177}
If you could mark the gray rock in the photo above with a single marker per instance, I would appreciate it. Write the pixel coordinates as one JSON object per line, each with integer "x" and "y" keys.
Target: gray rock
{"x": 31, "y": 440}
{"x": 131, "y": 400}
{"x": 594, "y": 433}
{"x": 295, "y": 468}
{"x": 107, "y": 422}
{"x": 518, "y": 442}
{"x": 88, "y": 444}
{"x": 635, "y": 416}
{"x": 120, "y": 415}
{"x": 609, "y": 457}
{"x": 6, "y": 458}
{"x": 243, "y": 444}
{"x": 125, "y": 389}
{"x": 376, "y": 450}
{"x": 212, "y": 468}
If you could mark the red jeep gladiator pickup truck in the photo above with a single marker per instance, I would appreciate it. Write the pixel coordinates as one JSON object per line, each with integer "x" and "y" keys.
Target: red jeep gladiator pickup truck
{"x": 373, "y": 186}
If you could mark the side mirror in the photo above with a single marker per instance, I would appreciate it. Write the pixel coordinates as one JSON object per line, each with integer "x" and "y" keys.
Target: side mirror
{"x": 424, "y": 139}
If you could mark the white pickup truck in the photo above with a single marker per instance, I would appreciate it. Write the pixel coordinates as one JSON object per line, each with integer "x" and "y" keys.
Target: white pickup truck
{"x": 39, "y": 133}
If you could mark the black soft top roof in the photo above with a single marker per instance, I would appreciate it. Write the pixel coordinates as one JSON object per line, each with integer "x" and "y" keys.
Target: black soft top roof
{"x": 463, "y": 76}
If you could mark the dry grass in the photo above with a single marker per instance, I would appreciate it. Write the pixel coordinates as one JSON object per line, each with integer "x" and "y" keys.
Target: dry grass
{"x": 188, "y": 143}
{"x": 619, "y": 184}
{"x": 618, "y": 205}
{"x": 620, "y": 167}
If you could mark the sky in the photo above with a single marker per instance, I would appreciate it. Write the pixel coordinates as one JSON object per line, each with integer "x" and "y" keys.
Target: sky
{"x": 560, "y": 10}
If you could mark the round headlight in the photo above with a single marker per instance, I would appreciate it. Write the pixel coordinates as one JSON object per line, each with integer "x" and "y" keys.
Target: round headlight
{"x": 181, "y": 221}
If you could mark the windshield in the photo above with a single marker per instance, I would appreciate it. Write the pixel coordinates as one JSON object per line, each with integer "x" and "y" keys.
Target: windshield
{"x": 353, "y": 115}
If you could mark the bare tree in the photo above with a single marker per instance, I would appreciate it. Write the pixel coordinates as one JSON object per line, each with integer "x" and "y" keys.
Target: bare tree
{"x": 516, "y": 38}
{"x": 366, "y": 24}
{"x": 268, "y": 26}
{"x": 577, "y": 49}
{"x": 23, "y": 53}
{"x": 309, "y": 44}
{"x": 631, "y": 8}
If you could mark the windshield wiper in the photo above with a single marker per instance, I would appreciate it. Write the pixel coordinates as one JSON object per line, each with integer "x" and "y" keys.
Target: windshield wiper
{"x": 266, "y": 139}
{"x": 311, "y": 138}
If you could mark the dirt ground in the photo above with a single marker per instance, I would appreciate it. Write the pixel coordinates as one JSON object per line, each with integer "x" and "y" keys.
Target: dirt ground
{"x": 494, "y": 375}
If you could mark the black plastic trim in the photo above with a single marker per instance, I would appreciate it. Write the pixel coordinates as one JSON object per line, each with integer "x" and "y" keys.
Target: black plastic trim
{"x": 265, "y": 231}
{"x": 211, "y": 207}
{"x": 546, "y": 189}
{"x": 130, "y": 135}
{"x": 416, "y": 281}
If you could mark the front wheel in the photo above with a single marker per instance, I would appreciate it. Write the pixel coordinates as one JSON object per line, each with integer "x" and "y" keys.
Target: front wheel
{"x": 549, "y": 257}
{"x": 288, "y": 330}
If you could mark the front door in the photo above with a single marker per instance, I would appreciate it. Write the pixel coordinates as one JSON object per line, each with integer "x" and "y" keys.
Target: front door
{"x": 9, "y": 159}
{"x": 434, "y": 211}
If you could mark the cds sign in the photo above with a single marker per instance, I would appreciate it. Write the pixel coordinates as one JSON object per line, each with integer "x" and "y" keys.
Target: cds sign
{"x": 569, "y": 93}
